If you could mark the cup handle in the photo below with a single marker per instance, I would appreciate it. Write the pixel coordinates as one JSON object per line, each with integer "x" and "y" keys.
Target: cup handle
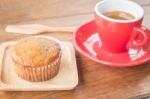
{"x": 133, "y": 43}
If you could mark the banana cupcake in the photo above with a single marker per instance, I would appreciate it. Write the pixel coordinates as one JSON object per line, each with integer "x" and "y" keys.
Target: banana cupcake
{"x": 36, "y": 58}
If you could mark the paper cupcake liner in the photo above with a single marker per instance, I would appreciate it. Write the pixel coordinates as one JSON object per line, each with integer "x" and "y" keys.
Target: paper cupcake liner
{"x": 37, "y": 74}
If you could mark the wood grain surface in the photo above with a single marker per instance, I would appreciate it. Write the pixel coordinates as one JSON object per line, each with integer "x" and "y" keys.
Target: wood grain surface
{"x": 96, "y": 81}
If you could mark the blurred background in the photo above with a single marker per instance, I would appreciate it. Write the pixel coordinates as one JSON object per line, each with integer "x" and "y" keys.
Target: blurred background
{"x": 53, "y": 12}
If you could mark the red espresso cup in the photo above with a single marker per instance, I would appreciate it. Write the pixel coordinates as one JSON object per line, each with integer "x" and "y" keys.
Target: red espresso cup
{"x": 120, "y": 35}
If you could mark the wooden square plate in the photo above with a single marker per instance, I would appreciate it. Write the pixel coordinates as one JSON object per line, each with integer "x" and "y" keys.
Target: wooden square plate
{"x": 66, "y": 79}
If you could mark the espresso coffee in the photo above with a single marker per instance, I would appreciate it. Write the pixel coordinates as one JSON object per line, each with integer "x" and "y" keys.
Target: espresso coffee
{"x": 119, "y": 15}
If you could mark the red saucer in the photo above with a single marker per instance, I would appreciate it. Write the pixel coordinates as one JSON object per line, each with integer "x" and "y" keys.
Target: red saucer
{"x": 87, "y": 42}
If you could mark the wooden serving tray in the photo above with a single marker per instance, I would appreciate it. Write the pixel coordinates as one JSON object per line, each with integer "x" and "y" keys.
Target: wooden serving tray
{"x": 66, "y": 79}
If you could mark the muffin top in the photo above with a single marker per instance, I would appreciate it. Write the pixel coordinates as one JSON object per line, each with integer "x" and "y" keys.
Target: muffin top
{"x": 35, "y": 51}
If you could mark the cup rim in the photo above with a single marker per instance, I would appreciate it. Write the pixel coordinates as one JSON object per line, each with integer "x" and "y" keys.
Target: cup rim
{"x": 119, "y": 21}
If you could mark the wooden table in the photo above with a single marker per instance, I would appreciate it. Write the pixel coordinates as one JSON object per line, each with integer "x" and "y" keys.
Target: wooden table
{"x": 96, "y": 81}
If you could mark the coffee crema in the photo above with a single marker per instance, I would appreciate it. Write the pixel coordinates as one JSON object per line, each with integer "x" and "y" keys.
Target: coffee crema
{"x": 119, "y": 15}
